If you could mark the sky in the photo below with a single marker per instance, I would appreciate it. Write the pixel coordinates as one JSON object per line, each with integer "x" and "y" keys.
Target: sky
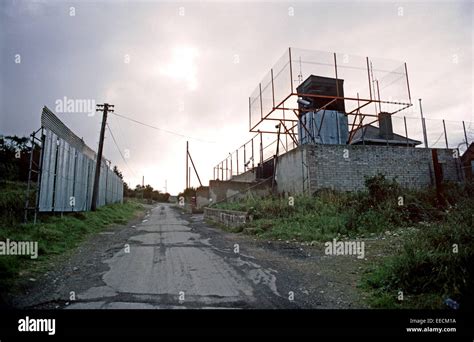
{"x": 189, "y": 68}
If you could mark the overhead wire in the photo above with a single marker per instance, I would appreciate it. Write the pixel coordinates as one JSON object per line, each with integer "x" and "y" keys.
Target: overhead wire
{"x": 120, "y": 151}
{"x": 162, "y": 129}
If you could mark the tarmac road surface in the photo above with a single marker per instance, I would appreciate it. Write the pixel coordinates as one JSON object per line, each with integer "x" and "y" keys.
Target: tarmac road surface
{"x": 167, "y": 259}
{"x": 169, "y": 264}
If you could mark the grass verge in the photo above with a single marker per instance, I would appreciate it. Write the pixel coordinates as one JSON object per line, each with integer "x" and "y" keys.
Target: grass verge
{"x": 57, "y": 235}
{"x": 432, "y": 263}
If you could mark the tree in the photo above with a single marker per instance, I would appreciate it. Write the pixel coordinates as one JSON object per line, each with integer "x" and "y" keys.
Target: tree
{"x": 188, "y": 193}
{"x": 14, "y": 158}
{"x": 118, "y": 172}
{"x": 126, "y": 190}
{"x": 148, "y": 192}
{"x": 160, "y": 197}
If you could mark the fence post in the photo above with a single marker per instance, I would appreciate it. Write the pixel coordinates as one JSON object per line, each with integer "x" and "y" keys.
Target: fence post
{"x": 245, "y": 159}
{"x": 253, "y": 159}
{"x": 406, "y": 130}
{"x": 465, "y": 135}
{"x": 261, "y": 155}
{"x": 445, "y": 134}
{"x": 425, "y": 137}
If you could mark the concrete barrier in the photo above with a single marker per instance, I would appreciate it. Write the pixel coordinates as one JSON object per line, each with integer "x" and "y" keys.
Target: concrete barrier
{"x": 229, "y": 218}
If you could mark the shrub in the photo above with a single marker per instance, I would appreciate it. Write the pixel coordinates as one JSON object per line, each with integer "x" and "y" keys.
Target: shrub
{"x": 381, "y": 189}
{"x": 427, "y": 263}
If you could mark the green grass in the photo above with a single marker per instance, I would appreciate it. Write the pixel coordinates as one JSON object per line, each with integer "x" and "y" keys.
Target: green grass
{"x": 57, "y": 235}
{"x": 12, "y": 202}
{"x": 322, "y": 217}
{"x": 329, "y": 214}
{"x": 427, "y": 269}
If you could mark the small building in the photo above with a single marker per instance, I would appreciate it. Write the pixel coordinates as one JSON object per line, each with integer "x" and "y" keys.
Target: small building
{"x": 323, "y": 127}
{"x": 319, "y": 90}
{"x": 328, "y": 125}
{"x": 382, "y": 135}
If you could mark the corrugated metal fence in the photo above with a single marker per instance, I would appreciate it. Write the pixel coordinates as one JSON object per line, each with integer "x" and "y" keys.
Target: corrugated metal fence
{"x": 67, "y": 171}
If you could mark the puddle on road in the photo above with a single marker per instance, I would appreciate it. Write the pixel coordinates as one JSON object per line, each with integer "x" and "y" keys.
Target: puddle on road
{"x": 259, "y": 275}
{"x": 167, "y": 237}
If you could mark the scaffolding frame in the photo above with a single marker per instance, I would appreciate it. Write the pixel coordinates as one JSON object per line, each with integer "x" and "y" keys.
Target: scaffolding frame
{"x": 285, "y": 103}
{"x": 268, "y": 99}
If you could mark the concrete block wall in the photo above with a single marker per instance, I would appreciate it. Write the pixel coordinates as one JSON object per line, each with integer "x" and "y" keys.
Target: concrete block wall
{"x": 248, "y": 176}
{"x": 229, "y": 218}
{"x": 344, "y": 167}
{"x": 221, "y": 190}
{"x": 202, "y": 197}
{"x": 290, "y": 171}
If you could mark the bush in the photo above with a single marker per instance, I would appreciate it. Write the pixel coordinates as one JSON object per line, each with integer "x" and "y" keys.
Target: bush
{"x": 12, "y": 202}
{"x": 372, "y": 222}
{"x": 329, "y": 213}
{"x": 427, "y": 263}
{"x": 381, "y": 189}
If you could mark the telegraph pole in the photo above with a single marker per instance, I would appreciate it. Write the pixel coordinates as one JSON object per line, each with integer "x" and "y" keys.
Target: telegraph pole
{"x": 95, "y": 191}
{"x": 187, "y": 168}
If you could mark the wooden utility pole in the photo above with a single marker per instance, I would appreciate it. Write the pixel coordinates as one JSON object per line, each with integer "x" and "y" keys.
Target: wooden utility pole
{"x": 194, "y": 167}
{"x": 95, "y": 191}
{"x": 187, "y": 168}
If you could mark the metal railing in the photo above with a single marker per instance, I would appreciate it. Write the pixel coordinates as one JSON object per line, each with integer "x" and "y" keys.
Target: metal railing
{"x": 407, "y": 130}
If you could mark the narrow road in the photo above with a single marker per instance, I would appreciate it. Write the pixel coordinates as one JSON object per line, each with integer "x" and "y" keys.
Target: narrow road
{"x": 168, "y": 264}
{"x": 167, "y": 259}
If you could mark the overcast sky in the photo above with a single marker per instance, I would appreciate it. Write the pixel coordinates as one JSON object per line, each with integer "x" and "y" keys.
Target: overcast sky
{"x": 189, "y": 67}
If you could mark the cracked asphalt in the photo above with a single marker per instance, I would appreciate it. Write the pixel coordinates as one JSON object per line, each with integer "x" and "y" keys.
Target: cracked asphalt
{"x": 167, "y": 260}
